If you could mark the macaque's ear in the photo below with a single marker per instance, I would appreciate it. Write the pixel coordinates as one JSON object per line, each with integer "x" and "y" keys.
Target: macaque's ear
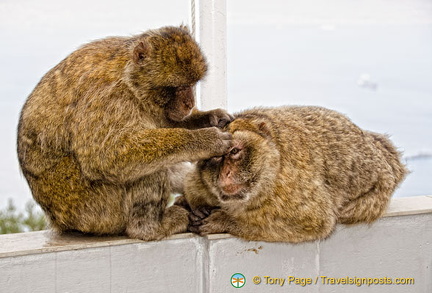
{"x": 264, "y": 130}
{"x": 141, "y": 51}
{"x": 185, "y": 28}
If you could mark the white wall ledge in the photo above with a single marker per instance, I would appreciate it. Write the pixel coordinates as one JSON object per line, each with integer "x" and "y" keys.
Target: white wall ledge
{"x": 397, "y": 245}
{"x": 402, "y": 206}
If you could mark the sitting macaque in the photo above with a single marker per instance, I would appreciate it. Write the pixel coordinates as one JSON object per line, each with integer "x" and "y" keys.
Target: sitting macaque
{"x": 103, "y": 138}
{"x": 291, "y": 175}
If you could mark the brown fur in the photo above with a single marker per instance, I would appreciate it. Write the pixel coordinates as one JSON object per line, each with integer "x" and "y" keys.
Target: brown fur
{"x": 100, "y": 137}
{"x": 293, "y": 173}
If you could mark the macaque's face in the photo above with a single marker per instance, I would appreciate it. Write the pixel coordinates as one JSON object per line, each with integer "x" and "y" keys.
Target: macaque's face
{"x": 167, "y": 64}
{"x": 237, "y": 175}
{"x": 181, "y": 103}
{"x": 232, "y": 175}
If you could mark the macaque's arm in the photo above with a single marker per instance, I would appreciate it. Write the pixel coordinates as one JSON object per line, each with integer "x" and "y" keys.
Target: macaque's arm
{"x": 202, "y": 119}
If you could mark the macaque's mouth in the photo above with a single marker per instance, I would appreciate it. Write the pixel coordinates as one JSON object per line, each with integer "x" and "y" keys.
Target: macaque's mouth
{"x": 232, "y": 192}
{"x": 232, "y": 189}
{"x": 239, "y": 196}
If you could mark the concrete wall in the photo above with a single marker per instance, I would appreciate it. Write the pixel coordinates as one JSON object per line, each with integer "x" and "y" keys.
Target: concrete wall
{"x": 397, "y": 246}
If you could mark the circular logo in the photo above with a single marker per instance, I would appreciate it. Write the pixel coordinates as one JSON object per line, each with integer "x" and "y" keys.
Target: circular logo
{"x": 238, "y": 280}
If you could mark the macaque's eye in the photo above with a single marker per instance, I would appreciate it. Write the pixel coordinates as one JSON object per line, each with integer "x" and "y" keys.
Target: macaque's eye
{"x": 234, "y": 151}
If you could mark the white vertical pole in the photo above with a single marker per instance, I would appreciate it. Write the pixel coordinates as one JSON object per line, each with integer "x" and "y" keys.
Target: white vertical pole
{"x": 210, "y": 32}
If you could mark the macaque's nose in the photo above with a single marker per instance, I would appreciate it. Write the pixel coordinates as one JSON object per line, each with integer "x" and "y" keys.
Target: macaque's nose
{"x": 226, "y": 176}
{"x": 228, "y": 181}
{"x": 187, "y": 92}
{"x": 189, "y": 104}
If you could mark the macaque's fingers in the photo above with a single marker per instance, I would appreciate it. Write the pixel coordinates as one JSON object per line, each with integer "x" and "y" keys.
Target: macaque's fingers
{"x": 227, "y": 143}
{"x": 194, "y": 229}
{"x": 203, "y": 232}
{"x": 207, "y": 229}
{"x": 225, "y": 120}
{"x": 194, "y": 219}
{"x": 219, "y": 118}
{"x": 197, "y": 230}
{"x": 226, "y": 136}
{"x": 198, "y": 215}
{"x": 206, "y": 210}
{"x": 203, "y": 211}
{"x": 221, "y": 141}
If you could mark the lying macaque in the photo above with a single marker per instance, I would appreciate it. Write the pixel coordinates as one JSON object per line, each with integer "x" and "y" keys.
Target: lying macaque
{"x": 291, "y": 175}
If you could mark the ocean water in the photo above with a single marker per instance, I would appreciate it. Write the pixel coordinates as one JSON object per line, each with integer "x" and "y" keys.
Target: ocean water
{"x": 379, "y": 75}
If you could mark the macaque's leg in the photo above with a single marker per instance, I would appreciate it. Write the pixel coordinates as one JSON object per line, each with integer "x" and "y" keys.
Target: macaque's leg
{"x": 146, "y": 223}
{"x": 177, "y": 174}
{"x": 366, "y": 208}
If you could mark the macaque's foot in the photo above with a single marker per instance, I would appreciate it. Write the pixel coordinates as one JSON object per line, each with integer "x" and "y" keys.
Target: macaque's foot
{"x": 182, "y": 202}
{"x": 175, "y": 220}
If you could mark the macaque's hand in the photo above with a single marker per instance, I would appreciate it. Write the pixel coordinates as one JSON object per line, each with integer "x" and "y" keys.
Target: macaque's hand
{"x": 196, "y": 217}
{"x": 219, "y": 118}
{"x": 203, "y": 221}
{"x": 214, "y": 141}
